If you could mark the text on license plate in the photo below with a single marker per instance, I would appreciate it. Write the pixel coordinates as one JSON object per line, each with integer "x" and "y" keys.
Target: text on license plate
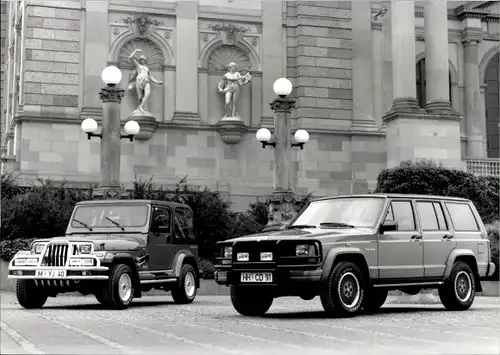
{"x": 51, "y": 274}
{"x": 256, "y": 277}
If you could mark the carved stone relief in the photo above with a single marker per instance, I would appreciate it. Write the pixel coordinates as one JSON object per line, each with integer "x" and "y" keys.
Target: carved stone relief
{"x": 150, "y": 49}
{"x": 142, "y": 24}
{"x": 222, "y": 56}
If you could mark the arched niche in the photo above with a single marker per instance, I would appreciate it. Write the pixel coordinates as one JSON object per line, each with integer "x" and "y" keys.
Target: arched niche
{"x": 159, "y": 60}
{"x": 213, "y": 47}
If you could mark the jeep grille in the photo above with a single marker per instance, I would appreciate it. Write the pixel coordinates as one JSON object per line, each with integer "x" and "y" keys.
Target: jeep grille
{"x": 56, "y": 254}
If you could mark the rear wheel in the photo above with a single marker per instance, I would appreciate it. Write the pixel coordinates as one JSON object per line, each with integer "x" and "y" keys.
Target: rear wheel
{"x": 185, "y": 290}
{"x": 29, "y": 295}
{"x": 249, "y": 302}
{"x": 118, "y": 292}
{"x": 343, "y": 293}
{"x": 459, "y": 290}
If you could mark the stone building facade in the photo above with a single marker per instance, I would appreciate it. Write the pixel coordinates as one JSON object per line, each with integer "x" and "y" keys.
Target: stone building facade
{"x": 369, "y": 78}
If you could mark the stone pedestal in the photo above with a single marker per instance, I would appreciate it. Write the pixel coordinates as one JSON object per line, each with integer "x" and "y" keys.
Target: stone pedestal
{"x": 148, "y": 125}
{"x": 231, "y": 129}
{"x": 281, "y": 208}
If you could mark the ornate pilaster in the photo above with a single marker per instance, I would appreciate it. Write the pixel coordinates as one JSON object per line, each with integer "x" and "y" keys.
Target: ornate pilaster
{"x": 282, "y": 105}
{"x": 111, "y": 94}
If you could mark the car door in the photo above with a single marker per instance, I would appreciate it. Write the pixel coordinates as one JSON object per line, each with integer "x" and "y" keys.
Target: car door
{"x": 438, "y": 238}
{"x": 400, "y": 252}
{"x": 183, "y": 235}
{"x": 160, "y": 238}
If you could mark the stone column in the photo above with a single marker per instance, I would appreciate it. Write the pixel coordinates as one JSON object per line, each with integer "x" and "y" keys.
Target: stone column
{"x": 474, "y": 121}
{"x": 96, "y": 55}
{"x": 109, "y": 183}
{"x": 436, "y": 56}
{"x": 186, "y": 53}
{"x": 362, "y": 66}
{"x": 281, "y": 207}
{"x": 403, "y": 56}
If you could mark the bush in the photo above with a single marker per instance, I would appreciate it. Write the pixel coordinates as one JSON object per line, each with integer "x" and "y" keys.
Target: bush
{"x": 429, "y": 179}
{"x": 9, "y": 247}
{"x": 493, "y": 235}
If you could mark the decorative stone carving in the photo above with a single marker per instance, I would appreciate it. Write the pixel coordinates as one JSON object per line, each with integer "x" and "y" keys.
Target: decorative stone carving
{"x": 139, "y": 80}
{"x": 12, "y": 49}
{"x": 116, "y": 31}
{"x": 167, "y": 34}
{"x": 282, "y": 104}
{"x": 219, "y": 59}
{"x": 143, "y": 23}
{"x": 18, "y": 28}
{"x": 231, "y": 131}
{"x": 254, "y": 41}
{"x": 230, "y": 87}
{"x": 229, "y": 34}
{"x": 282, "y": 208}
{"x": 111, "y": 94}
{"x": 149, "y": 49}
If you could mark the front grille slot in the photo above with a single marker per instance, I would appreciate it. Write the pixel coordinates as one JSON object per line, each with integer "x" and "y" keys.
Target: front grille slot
{"x": 56, "y": 255}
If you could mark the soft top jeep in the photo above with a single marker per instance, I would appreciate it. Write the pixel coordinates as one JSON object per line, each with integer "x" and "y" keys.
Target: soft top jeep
{"x": 351, "y": 250}
{"x": 114, "y": 249}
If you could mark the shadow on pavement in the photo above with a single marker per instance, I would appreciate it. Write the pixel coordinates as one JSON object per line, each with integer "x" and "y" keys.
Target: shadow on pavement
{"x": 322, "y": 315}
{"x": 134, "y": 304}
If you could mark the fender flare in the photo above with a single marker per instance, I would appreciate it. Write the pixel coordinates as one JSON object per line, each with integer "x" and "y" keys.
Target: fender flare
{"x": 333, "y": 254}
{"x": 453, "y": 256}
{"x": 184, "y": 257}
{"x": 113, "y": 258}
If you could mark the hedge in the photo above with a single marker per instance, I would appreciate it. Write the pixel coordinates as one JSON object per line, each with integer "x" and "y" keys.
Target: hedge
{"x": 427, "y": 178}
{"x": 493, "y": 235}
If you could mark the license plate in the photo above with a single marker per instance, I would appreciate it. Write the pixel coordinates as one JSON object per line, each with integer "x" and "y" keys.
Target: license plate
{"x": 261, "y": 277}
{"x": 51, "y": 274}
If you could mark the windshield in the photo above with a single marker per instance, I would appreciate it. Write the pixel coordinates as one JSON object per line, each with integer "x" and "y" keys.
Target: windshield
{"x": 103, "y": 216}
{"x": 360, "y": 212}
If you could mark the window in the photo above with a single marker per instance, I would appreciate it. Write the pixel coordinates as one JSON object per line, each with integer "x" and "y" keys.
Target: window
{"x": 421, "y": 83}
{"x": 462, "y": 217}
{"x": 428, "y": 216}
{"x": 184, "y": 228}
{"x": 402, "y": 213}
{"x": 103, "y": 215}
{"x": 161, "y": 219}
{"x": 440, "y": 216}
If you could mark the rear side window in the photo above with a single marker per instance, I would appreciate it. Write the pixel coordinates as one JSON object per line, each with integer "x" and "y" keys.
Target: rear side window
{"x": 428, "y": 216}
{"x": 462, "y": 217}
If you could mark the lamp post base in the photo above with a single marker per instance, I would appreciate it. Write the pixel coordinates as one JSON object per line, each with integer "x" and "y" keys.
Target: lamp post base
{"x": 281, "y": 208}
{"x": 109, "y": 193}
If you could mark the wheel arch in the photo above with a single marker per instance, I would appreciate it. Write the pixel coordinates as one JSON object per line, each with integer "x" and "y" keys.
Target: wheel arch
{"x": 183, "y": 258}
{"x": 468, "y": 257}
{"x": 337, "y": 255}
{"x": 127, "y": 259}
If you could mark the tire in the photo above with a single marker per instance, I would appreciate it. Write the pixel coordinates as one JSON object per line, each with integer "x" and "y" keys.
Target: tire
{"x": 374, "y": 299}
{"x": 459, "y": 290}
{"x": 120, "y": 279}
{"x": 248, "y": 303}
{"x": 346, "y": 281}
{"x": 185, "y": 290}
{"x": 29, "y": 295}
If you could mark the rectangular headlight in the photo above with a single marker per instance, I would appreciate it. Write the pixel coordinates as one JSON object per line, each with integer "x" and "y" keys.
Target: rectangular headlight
{"x": 305, "y": 250}
{"x": 242, "y": 257}
{"x": 37, "y": 248}
{"x": 228, "y": 252}
{"x": 31, "y": 262}
{"x": 266, "y": 256}
{"x": 84, "y": 248}
{"x": 81, "y": 262}
{"x": 19, "y": 262}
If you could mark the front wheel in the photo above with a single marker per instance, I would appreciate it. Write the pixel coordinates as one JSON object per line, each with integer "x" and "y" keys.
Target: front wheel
{"x": 459, "y": 290}
{"x": 29, "y": 295}
{"x": 118, "y": 292}
{"x": 343, "y": 293}
{"x": 185, "y": 291}
{"x": 248, "y": 303}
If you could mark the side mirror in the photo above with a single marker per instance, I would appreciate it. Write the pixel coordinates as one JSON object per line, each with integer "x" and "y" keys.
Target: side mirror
{"x": 388, "y": 226}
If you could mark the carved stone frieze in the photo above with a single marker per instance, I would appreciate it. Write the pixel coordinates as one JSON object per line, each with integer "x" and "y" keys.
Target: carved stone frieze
{"x": 229, "y": 34}
{"x": 143, "y": 24}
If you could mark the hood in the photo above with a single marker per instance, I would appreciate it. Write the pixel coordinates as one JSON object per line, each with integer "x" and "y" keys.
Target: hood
{"x": 115, "y": 242}
{"x": 305, "y": 233}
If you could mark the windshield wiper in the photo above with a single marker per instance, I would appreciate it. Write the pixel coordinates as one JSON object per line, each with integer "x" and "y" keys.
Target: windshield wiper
{"x": 115, "y": 223}
{"x": 336, "y": 225}
{"x": 300, "y": 226}
{"x": 83, "y": 224}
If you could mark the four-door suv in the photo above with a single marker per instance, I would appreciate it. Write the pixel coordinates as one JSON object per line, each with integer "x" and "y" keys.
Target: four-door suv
{"x": 114, "y": 249}
{"x": 351, "y": 250}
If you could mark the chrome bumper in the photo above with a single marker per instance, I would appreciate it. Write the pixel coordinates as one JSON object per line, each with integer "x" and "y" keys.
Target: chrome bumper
{"x": 71, "y": 273}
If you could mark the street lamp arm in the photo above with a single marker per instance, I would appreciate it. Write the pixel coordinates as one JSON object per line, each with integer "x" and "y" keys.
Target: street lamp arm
{"x": 265, "y": 144}
{"x": 301, "y": 145}
{"x": 90, "y": 135}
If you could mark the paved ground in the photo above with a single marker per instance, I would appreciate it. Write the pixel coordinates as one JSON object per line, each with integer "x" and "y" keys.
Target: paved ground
{"x": 154, "y": 325}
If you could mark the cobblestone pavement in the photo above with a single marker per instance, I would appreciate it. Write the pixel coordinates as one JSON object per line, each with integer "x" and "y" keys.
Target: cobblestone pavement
{"x": 154, "y": 325}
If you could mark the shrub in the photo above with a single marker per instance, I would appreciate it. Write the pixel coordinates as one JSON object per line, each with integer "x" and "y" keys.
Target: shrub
{"x": 429, "y": 179}
{"x": 493, "y": 235}
{"x": 9, "y": 247}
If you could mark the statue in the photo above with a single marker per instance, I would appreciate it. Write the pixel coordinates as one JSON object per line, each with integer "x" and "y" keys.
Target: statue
{"x": 230, "y": 87}
{"x": 140, "y": 79}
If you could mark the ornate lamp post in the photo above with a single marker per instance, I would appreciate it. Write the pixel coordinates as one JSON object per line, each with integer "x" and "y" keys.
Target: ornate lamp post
{"x": 111, "y": 96}
{"x": 281, "y": 209}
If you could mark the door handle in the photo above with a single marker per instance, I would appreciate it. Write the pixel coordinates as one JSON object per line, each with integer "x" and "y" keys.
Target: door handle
{"x": 447, "y": 236}
{"x": 416, "y": 237}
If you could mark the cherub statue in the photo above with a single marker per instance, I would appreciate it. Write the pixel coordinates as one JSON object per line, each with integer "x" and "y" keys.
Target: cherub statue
{"x": 140, "y": 79}
{"x": 230, "y": 87}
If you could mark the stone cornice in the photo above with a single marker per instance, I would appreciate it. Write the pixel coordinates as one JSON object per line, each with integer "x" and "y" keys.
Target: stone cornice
{"x": 464, "y": 11}
{"x": 471, "y": 35}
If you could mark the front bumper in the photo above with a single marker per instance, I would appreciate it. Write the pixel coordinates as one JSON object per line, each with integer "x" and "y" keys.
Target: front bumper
{"x": 279, "y": 277}
{"x": 58, "y": 273}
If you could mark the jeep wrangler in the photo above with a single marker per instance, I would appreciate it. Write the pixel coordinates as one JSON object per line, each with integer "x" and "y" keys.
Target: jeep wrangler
{"x": 115, "y": 250}
{"x": 351, "y": 250}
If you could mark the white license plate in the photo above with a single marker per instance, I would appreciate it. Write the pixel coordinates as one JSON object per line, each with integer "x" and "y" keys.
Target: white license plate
{"x": 51, "y": 274}
{"x": 257, "y": 277}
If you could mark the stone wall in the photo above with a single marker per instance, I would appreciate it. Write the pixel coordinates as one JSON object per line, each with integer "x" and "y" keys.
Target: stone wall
{"x": 4, "y": 48}
{"x": 52, "y": 60}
